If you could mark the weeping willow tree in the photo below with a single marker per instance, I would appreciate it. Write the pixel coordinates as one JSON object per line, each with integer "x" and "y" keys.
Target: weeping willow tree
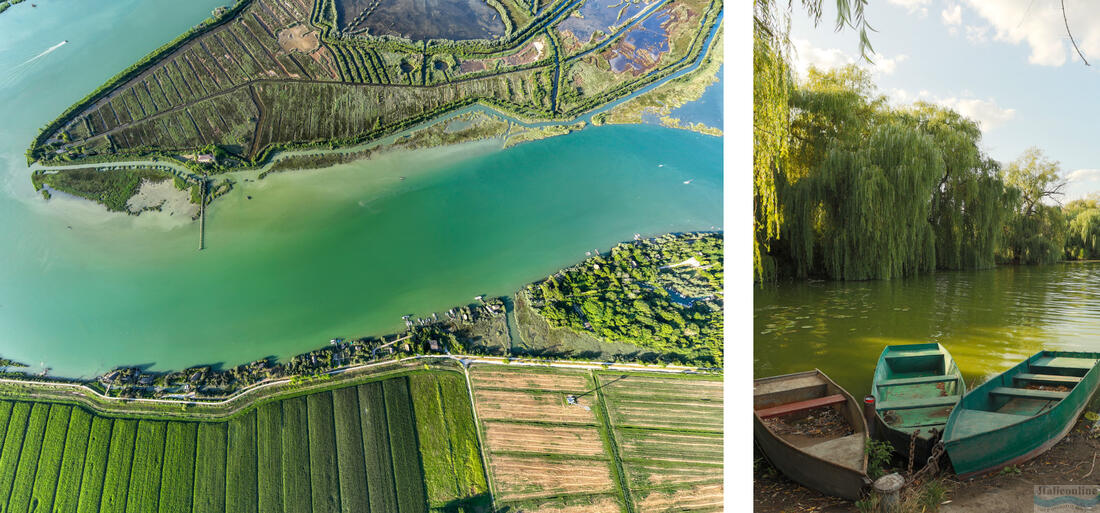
{"x": 772, "y": 84}
{"x": 872, "y": 191}
{"x": 1036, "y": 232}
{"x": 856, "y": 201}
{"x": 1083, "y": 232}
{"x": 772, "y": 87}
{"x": 969, "y": 204}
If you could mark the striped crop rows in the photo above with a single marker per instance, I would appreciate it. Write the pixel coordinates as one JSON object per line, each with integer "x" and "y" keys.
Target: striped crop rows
{"x": 354, "y": 449}
{"x": 575, "y": 441}
{"x": 668, "y": 431}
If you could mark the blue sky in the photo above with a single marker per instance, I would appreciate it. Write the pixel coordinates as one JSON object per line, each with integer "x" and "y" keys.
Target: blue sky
{"x": 1007, "y": 64}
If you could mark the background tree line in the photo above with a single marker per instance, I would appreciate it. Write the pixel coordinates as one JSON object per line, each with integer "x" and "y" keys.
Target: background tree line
{"x": 847, "y": 186}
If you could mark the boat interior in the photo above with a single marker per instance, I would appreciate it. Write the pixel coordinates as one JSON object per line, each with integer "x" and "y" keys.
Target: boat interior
{"x": 1034, "y": 388}
{"x": 917, "y": 387}
{"x": 797, "y": 399}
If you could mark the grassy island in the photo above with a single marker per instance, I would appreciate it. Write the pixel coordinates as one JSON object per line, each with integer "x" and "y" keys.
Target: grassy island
{"x": 266, "y": 75}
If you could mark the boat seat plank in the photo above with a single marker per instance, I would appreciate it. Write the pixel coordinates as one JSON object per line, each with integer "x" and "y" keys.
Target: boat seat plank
{"x": 846, "y": 451}
{"x": 923, "y": 402}
{"x": 910, "y": 354}
{"x": 1029, "y": 394}
{"x": 1066, "y": 362}
{"x": 916, "y": 381}
{"x": 971, "y": 422}
{"x": 784, "y": 409}
{"x": 1048, "y": 378}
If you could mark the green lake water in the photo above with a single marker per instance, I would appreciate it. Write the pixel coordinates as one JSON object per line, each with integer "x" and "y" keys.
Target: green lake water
{"x": 339, "y": 252}
{"x": 989, "y": 320}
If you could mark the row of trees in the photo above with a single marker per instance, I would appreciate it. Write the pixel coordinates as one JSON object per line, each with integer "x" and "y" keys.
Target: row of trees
{"x": 847, "y": 186}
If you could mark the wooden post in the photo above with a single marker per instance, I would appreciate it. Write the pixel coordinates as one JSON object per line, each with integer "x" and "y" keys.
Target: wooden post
{"x": 202, "y": 214}
{"x": 888, "y": 488}
{"x": 869, "y": 415}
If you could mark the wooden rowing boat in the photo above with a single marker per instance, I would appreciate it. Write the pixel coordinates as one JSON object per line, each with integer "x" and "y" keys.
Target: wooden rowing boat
{"x": 916, "y": 386}
{"x": 1020, "y": 413}
{"x": 812, "y": 431}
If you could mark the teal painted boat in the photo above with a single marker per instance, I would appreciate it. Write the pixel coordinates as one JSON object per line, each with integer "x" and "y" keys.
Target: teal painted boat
{"x": 1020, "y": 413}
{"x": 916, "y": 386}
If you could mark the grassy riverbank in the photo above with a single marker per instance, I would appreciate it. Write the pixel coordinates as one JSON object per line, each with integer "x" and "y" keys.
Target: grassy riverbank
{"x": 110, "y": 188}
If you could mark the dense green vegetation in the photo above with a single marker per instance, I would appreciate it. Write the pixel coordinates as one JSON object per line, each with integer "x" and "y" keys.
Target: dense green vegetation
{"x": 850, "y": 154}
{"x": 8, "y": 3}
{"x": 311, "y": 453}
{"x": 663, "y": 294}
{"x": 848, "y": 186}
{"x": 951, "y": 206}
{"x": 111, "y": 188}
{"x": 1083, "y": 228}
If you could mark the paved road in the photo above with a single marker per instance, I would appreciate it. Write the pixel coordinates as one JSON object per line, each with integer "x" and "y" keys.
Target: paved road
{"x": 464, "y": 360}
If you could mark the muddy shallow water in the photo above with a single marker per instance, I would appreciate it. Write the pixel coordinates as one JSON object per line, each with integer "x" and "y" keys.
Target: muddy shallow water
{"x": 420, "y": 19}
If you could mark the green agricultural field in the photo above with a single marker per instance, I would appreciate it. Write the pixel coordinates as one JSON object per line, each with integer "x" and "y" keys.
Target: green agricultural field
{"x": 357, "y": 448}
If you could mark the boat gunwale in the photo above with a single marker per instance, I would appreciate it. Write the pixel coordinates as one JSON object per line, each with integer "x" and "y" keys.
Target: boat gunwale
{"x": 1025, "y": 363}
{"x": 1092, "y": 374}
{"x": 848, "y": 399}
{"x": 949, "y": 362}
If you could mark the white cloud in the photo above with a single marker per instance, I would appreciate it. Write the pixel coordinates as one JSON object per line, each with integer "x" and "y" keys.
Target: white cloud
{"x": 887, "y": 65}
{"x": 919, "y": 7}
{"x": 901, "y": 97}
{"x": 952, "y": 15}
{"x": 1084, "y": 175}
{"x": 987, "y": 113}
{"x": 977, "y": 35}
{"x": 807, "y": 55}
{"x": 1041, "y": 26}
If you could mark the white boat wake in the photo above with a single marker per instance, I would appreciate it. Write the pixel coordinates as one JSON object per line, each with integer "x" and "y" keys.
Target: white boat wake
{"x": 21, "y": 69}
{"x": 43, "y": 54}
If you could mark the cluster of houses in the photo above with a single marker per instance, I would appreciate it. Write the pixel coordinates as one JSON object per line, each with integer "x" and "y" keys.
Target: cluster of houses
{"x": 436, "y": 334}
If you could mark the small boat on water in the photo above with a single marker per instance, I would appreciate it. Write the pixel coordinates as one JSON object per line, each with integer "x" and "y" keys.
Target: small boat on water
{"x": 1020, "y": 413}
{"x": 916, "y": 386}
{"x": 812, "y": 431}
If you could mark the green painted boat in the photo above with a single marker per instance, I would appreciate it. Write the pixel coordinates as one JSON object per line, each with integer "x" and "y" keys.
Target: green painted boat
{"x": 916, "y": 386}
{"x": 812, "y": 431}
{"x": 1020, "y": 413}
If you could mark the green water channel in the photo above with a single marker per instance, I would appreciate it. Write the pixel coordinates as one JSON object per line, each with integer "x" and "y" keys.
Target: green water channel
{"x": 988, "y": 320}
{"x": 340, "y": 252}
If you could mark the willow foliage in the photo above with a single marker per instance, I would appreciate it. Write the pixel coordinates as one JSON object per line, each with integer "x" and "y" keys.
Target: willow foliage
{"x": 870, "y": 218}
{"x": 772, "y": 86}
{"x": 1083, "y": 234}
{"x": 872, "y": 191}
{"x": 1036, "y": 232}
{"x": 772, "y": 83}
{"x": 970, "y": 204}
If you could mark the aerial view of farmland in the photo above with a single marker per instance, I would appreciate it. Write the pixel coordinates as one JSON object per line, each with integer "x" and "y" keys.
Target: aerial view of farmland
{"x": 362, "y": 256}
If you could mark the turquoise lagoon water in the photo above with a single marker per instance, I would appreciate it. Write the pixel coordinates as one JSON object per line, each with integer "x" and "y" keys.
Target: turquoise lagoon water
{"x": 344, "y": 251}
